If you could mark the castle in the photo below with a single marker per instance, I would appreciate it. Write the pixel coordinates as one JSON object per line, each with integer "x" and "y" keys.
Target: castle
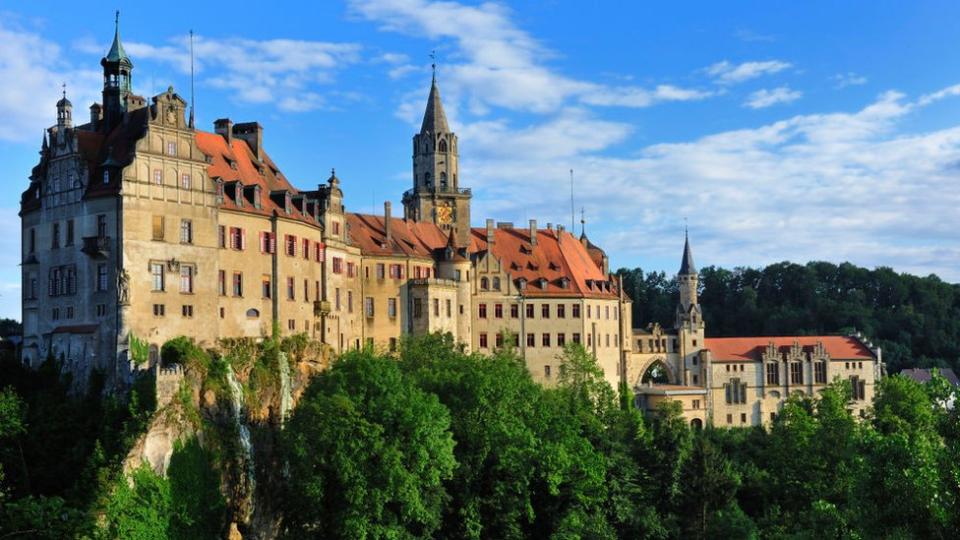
{"x": 147, "y": 228}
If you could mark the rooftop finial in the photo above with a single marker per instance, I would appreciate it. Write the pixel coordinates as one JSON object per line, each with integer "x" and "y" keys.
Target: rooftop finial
{"x": 433, "y": 65}
{"x": 116, "y": 20}
{"x": 64, "y": 86}
{"x": 583, "y": 222}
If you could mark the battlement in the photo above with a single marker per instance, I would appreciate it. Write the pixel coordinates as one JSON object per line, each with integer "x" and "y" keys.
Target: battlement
{"x": 167, "y": 383}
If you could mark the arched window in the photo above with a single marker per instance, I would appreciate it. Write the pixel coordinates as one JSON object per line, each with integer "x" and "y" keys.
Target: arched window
{"x": 443, "y": 145}
{"x": 253, "y": 313}
{"x": 484, "y": 283}
{"x": 443, "y": 180}
{"x": 426, "y": 179}
{"x": 496, "y": 284}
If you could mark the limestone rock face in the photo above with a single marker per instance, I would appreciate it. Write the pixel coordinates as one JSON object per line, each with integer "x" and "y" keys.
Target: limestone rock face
{"x": 156, "y": 446}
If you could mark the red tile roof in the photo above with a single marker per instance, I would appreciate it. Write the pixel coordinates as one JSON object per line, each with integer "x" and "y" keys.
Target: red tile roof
{"x": 247, "y": 172}
{"x": 407, "y": 238}
{"x": 739, "y": 349}
{"x": 556, "y": 255}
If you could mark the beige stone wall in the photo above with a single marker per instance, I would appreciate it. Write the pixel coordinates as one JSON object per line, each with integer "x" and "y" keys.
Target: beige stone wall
{"x": 694, "y": 406}
{"x": 344, "y": 324}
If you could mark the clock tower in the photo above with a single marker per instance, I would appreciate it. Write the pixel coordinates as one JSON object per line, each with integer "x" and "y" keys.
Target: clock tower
{"x": 436, "y": 196}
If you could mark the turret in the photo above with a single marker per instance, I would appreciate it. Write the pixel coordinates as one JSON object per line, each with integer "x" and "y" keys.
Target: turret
{"x": 64, "y": 112}
{"x": 117, "y": 83}
{"x": 687, "y": 281}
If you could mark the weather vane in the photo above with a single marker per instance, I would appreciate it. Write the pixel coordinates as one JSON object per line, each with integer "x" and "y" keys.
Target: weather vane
{"x": 433, "y": 65}
{"x": 64, "y": 86}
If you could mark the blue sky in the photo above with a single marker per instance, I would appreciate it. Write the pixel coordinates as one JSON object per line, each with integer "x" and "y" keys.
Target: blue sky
{"x": 806, "y": 131}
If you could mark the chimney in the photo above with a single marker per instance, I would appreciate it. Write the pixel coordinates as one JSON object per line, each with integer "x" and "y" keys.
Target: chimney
{"x": 96, "y": 114}
{"x": 533, "y": 232}
{"x": 252, "y": 133}
{"x": 386, "y": 220}
{"x": 490, "y": 231}
{"x": 224, "y": 128}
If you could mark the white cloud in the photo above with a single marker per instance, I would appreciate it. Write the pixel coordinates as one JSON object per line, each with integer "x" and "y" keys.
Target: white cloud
{"x": 839, "y": 186}
{"x": 32, "y": 70}
{"x": 496, "y": 64}
{"x": 726, "y": 72}
{"x": 284, "y": 71}
{"x": 764, "y": 98}
{"x": 843, "y": 80}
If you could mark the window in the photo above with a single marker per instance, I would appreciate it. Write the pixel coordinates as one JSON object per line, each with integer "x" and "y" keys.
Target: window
{"x": 186, "y": 278}
{"x": 561, "y": 339}
{"x": 172, "y": 148}
{"x": 306, "y": 248}
{"x": 380, "y": 270}
{"x": 336, "y": 228}
{"x": 101, "y": 310}
{"x": 186, "y": 231}
{"x": 306, "y": 291}
{"x": 337, "y": 265}
{"x": 820, "y": 372}
{"x": 266, "y": 289}
{"x": 101, "y": 277}
{"x": 546, "y": 371}
{"x": 222, "y": 282}
{"x": 482, "y": 311}
{"x": 291, "y": 289}
{"x": 576, "y": 337}
{"x": 436, "y": 307}
{"x": 561, "y": 311}
{"x": 393, "y": 344}
{"x": 291, "y": 324}
{"x": 55, "y": 236}
{"x": 500, "y": 339}
{"x": 33, "y": 241}
{"x": 729, "y": 418}
{"x": 483, "y": 340}
{"x": 222, "y": 237}
{"x": 576, "y": 311}
{"x": 498, "y": 311}
{"x": 773, "y": 373}
{"x": 55, "y": 314}
{"x": 545, "y": 311}
{"x": 238, "y": 238}
{"x": 531, "y": 340}
{"x": 392, "y": 308}
{"x": 589, "y": 311}
{"x": 156, "y": 272}
{"x": 185, "y": 181}
{"x": 529, "y": 310}
{"x": 317, "y": 252}
{"x": 449, "y": 308}
{"x": 545, "y": 339}
{"x": 69, "y": 312}
{"x": 351, "y": 270}
{"x": 316, "y": 291}
{"x": 743, "y": 418}
{"x": 237, "y": 284}
{"x": 268, "y": 242}
{"x": 735, "y": 391}
{"x": 187, "y": 310}
{"x": 349, "y": 301}
{"x": 290, "y": 241}
{"x": 396, "y": 271}
{"x": 368, "y": 307}
{"x": 69, "y": 239}
{"x": 696, "y": 404}
{"x": 159, "y": 310}
{"x": 417, "y": 308}
{"x": 158, "y": 177}
{"x": 336, "y": 297}
{"x": 484, "y": 283}
{"x": 496, "y": 284}
{"x": 106, "y": 177}
{"x": 796, "y": 373}
{"x": 858, "y": 388}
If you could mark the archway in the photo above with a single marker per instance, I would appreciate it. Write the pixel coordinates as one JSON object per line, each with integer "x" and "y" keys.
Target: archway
{"x": 656, "y": 372}
{"x": 696, "y": 424}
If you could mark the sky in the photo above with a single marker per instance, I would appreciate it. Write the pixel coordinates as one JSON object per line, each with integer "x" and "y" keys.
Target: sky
{"x": 775, "y": 131}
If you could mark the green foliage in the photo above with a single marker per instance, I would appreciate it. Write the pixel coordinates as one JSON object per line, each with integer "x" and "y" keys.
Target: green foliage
{"x": 184, "y": 351}
{"x": 197, "y": 507}
{"x": 139, "y": 350}
{"x": 138, "y": 507}
{"x": 916, "y": 320}
{"x": 367, "y": 452}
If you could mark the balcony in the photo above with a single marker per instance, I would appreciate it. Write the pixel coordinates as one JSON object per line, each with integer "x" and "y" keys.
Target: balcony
{"x": 321, "y": 308}
{"x": 96, "y": 246}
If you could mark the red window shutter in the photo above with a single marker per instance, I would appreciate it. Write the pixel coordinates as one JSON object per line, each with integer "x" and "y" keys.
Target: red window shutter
{"x": 243, "y": 239}
{"x": 263, "y": 242}
{"x": 273, "y": 242}
{"x": 233, "y": 238}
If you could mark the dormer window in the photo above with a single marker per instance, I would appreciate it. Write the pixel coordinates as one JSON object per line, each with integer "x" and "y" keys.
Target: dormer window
{"x": 238, "y": 196}
{"x": 219, "y": 190}
{"x": 106, "y": 177}
{"x": 542, "y": 283}
{"x": 522, "y": 284}
{"x": 565, "y": 282}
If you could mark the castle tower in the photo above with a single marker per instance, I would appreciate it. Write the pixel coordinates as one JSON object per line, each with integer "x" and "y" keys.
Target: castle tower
{"x": 689, "y": 324}
{"x": 117, "y": 84}
{"x": 687, "y": 279}
{"x": 64, "y": 112}
{"x": 436, "y": 196}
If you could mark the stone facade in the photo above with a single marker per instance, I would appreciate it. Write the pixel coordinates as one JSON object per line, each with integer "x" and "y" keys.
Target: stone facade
{"x": 145, "y": 227}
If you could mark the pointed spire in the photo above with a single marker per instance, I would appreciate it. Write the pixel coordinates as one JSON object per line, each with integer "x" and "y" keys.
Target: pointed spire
{"x": 686, "y": 265}
{"x": 117, "y": 54}
{"x": 434, "y": 119}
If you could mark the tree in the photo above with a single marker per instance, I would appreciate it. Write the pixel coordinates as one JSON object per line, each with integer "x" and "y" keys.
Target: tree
{"x": 709, "y": 484}
{"x": 367, "y": 453}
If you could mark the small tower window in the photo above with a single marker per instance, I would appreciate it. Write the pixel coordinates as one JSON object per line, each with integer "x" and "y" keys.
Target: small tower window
{"x": 106, "y": 177}
{"x": 443, "y": 180}
{"x": 426, "y": 179}
{"x": 443, "y": 145}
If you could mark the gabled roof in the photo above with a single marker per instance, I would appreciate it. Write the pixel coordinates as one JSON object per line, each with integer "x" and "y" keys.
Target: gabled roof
{"x": 434, "y": 119}
{"x": 749, "y": 349}
{"x": 556, "y": 255}
{"x": 407, "y": 237}
{"x": 245, "y": 169}
{"x": 923, "y": 375}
